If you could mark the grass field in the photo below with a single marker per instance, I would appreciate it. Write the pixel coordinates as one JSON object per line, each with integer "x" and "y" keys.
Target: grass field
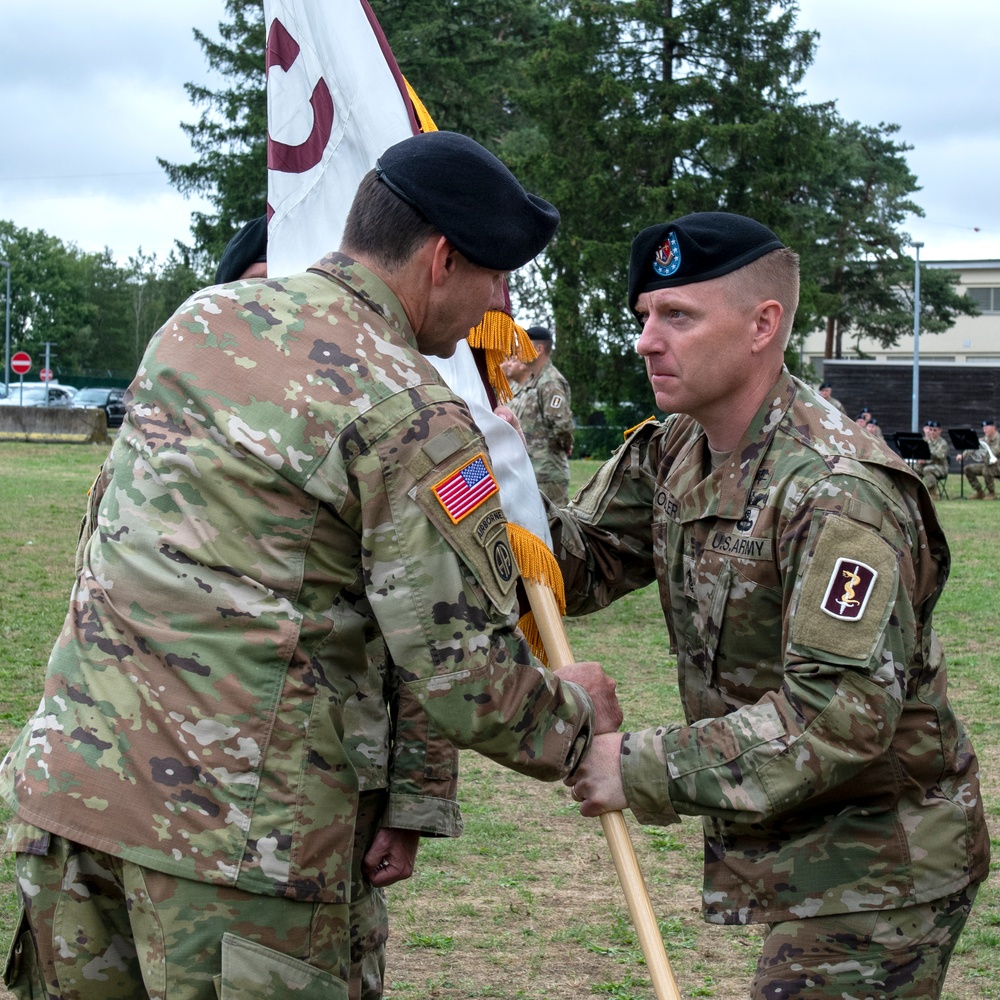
{"x": 526, "y": 904}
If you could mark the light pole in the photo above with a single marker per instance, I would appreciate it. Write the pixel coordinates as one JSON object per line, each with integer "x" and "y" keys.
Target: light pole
{"x": 6, "y": 340}
{"x": 915, "y": 411}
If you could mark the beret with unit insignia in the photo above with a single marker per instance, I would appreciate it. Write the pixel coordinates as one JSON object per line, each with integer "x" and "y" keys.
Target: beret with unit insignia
{"x": 695, "y": 247}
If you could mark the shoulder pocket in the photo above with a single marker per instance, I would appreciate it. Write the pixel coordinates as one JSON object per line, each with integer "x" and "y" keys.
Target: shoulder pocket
{"x": 847, "y": 590}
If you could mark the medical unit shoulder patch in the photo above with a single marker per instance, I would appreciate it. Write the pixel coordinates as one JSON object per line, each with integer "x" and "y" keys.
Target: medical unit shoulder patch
{"x": 847, "y": 593}
{"x": 463, "y": 490}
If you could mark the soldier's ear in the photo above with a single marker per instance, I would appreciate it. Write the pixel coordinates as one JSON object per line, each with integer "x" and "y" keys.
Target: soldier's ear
{"x": 766, "y": 325}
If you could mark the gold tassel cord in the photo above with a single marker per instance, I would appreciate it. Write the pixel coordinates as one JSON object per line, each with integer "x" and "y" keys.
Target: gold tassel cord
{"x": 537, "y": 564}
{"x": 424, "y": 119}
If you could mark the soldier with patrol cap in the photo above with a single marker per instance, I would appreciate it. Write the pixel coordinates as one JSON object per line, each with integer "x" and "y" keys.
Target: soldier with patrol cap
{"x": 542, "y": 406}
{"x": 293, "y": 485}
{"x": 798, "y": 564}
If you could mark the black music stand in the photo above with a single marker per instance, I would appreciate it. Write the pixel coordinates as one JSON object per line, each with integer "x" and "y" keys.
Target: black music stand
{"x": 964, "y": 439}
{"x": 912, "y": 447}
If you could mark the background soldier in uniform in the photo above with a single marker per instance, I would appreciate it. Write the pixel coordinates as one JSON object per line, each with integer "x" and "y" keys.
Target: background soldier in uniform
{"x": 798, "y": 562}
{"x": 826, "y": 391}
{"x": 935, "y": 468}
{"x": 985, "y": 462}
{"x": 293, "y": 485}
{"x": 542, "y": 405}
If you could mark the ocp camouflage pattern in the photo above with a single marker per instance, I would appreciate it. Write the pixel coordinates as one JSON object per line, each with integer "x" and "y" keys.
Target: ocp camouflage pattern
{"x": 819, "y": 746}
{"x": 264, "y": 520}
{"x": 542, "y": 405}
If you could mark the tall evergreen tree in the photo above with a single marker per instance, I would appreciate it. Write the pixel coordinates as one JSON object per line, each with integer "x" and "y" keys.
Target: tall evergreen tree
{"x": 622, "y": 113}
{"x": 230, "y": 137}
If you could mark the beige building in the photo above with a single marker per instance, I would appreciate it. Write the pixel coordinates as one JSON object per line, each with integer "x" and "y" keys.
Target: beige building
{"x": 973, "y": 340}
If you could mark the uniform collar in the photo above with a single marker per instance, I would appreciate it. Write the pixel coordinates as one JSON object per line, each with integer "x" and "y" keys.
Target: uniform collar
{"x": 725, "y": 492}
{"x": 368, "y": 287}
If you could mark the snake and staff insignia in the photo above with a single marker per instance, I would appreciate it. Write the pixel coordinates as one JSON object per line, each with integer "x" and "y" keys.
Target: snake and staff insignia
{"x": 847, "y": 593}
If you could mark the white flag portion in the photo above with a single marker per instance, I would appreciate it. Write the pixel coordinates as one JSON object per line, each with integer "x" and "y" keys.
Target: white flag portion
{"x": 335, "y": 101}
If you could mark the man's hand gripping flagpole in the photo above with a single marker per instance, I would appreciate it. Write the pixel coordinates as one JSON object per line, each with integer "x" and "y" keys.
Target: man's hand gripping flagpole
{"x": 553, "y": 635}
{"x": 336, "y": 100}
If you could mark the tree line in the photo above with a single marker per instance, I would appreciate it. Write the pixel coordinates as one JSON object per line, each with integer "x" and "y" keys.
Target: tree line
{"x": 97, "y": 315}
{"x": 622, "y": 113}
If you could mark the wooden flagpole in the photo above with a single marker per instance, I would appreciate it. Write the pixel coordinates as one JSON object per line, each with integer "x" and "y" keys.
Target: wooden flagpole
{"x": 550, "y": 628}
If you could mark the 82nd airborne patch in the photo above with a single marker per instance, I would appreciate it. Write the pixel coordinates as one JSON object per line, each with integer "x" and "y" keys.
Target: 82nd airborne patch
{"x": 849, "y": 589}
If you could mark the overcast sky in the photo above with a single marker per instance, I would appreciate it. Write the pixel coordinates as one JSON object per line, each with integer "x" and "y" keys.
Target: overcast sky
{"x": 93, "y": 93}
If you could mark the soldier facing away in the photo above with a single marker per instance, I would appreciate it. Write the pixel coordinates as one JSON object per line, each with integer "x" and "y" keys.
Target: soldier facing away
{"x": 798, "y": 562}
{"x": 293, "y": 483}
{"x": 542, "y": 406}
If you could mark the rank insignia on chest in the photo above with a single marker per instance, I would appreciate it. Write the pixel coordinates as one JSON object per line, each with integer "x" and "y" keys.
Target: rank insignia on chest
{"x": 463, "y": 490}
{"x": 847, "y": 593}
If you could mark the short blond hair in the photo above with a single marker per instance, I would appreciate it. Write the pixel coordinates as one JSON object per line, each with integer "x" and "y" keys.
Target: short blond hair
{"x": 775, "y": 275}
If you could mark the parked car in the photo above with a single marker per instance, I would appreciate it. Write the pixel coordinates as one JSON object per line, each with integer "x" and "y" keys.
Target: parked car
{"x": 112, "y": 401}
{"x": 16, "y": 383}
{"x": 38, "y": 395}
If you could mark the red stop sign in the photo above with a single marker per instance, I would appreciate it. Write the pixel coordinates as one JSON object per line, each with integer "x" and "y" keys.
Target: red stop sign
{"x": 21, "y": 362}
{"x": 45, "y": 374}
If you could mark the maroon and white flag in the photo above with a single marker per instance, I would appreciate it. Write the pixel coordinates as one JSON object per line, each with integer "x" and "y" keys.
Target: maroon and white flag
{"x": 336, "y": 101}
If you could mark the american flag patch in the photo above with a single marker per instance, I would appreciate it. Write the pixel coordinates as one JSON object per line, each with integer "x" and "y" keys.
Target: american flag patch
{"x": 466, "y": 488}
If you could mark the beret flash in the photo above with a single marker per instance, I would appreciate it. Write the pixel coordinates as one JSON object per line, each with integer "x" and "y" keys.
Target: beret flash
{"x": 248, "y": 246}
{"x": 694, "y": 248}
{"x": 465, "y": 192}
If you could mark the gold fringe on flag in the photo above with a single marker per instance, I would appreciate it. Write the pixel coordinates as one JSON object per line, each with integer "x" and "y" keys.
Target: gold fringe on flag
{"x": 536, "y": 563}
{"x": 424, "y": 119}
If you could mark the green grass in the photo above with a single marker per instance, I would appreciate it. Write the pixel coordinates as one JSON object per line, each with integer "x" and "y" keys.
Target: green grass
{"x": 526, "y": 903}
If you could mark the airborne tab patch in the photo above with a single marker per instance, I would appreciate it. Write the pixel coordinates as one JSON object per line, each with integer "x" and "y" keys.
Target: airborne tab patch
{"x": 848, "y": 591}
{"x": 463, "y": 490}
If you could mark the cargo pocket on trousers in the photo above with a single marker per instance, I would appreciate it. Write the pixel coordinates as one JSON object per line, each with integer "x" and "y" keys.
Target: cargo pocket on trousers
{"x": 252, "y": 972}
{"x": 21, "y": 974}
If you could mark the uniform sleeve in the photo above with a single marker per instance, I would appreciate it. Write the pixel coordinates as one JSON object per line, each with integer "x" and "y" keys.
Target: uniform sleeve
{"x": 849, "y": 630}
{"x": 441, "y": 581}
{"x": 423, "y": 773}
{"x": 603, "y": 540}
{"x": 554, "y": 407}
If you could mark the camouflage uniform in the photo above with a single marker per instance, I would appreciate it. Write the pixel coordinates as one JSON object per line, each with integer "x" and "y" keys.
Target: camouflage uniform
{"x": 936, "y": 468}
{"x": 542, "y": 405}
{"x": 797, "y": 581}
{"x": 293, "y": 487}
{"x": 978, "y": 464}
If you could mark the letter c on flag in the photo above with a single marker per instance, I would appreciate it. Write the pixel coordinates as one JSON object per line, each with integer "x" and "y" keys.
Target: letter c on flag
{"x": 282, "y": 51}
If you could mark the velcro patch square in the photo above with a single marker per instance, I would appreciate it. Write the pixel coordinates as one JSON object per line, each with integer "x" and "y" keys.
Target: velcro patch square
{"x": 463, "y": 490}
{"x": 848, "y": 591}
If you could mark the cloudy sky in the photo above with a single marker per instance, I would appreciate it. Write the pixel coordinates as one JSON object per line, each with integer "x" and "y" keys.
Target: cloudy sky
{"x": 93, "y": 93}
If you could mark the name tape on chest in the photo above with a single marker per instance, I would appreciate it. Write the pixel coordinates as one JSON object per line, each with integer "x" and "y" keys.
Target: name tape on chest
{"x": 740, "y": 547}
{"x": 463, "y": 490}
{"x": 850, "y": 587}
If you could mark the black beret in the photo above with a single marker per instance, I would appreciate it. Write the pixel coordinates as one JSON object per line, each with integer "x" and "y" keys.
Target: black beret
{"x": 248, "y": 246}
{"x": 694, "y": 248}
{"x": 990, "y": 421}
{"x": 464, "y": 191}
{"x": 825, "y": 385}
{"x": 539, "y": 333}
{"x": 932, "y": 423}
